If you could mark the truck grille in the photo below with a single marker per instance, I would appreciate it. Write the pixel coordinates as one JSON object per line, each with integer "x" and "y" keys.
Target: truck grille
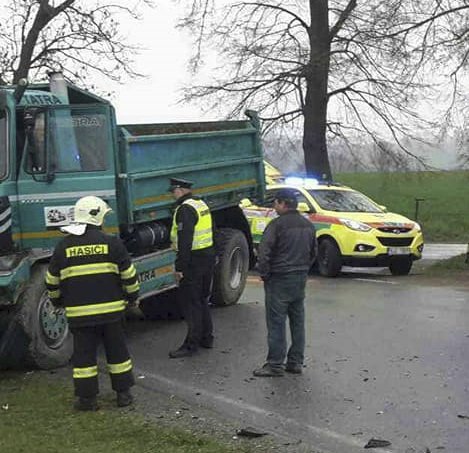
{"x": 395, "y": 242}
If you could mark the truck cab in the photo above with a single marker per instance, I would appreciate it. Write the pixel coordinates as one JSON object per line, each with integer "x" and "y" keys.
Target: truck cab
{"x": 59, "y": 143}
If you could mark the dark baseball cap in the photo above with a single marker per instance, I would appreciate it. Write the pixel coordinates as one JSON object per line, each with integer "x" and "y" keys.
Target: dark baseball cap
{"x": 175, "y": 183}
{"x": 285, "y": 194}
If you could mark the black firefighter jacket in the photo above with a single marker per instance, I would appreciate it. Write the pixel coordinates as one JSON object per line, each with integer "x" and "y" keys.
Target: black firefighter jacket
{"x": 92, "y": 277}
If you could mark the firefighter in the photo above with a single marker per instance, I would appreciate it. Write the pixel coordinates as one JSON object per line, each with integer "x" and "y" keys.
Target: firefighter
{"x": 91, "y": 275}
{"x": 192, "y": 238}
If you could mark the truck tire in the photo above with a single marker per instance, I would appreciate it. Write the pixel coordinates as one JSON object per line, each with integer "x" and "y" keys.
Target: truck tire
{"x": 232, "y": 266}
{"x": 329, "y": 259}
{"x": 400, "y": 265}
{"x": 46, "y": 337}
{"x": 162, "y": 306}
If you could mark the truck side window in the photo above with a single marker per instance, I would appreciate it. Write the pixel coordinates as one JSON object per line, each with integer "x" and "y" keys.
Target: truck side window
{"x": 79, "y": 140}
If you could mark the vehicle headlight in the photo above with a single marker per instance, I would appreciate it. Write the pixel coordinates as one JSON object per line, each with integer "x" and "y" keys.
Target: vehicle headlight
{"x": 417, "y": 227}
{"x": 355, "y": 225}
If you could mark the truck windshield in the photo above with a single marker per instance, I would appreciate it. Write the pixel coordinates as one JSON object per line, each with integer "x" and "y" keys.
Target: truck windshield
{"x": 343, "y": 201}
{"x": 3, "y": 143}
{"x": 79, "y": 139}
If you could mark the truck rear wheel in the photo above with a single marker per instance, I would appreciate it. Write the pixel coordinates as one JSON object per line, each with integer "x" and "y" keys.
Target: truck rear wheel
{"x": 47, "y": 340}
{"x": 232, "y": 266}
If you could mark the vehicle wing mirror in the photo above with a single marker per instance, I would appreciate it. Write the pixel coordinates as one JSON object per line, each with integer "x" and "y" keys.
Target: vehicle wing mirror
{"x": 303, "y": 207}
{"x": 383, "y": 208}
{"x": 35, "y": 126}
{"x": 245, "y": 203}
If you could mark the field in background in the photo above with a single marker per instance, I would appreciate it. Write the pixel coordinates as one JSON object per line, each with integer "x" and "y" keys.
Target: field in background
{"x": 444, "y": 213}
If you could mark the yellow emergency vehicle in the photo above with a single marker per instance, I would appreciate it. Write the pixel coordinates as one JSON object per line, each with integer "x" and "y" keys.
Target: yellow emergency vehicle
{"x": 352, "y": 230}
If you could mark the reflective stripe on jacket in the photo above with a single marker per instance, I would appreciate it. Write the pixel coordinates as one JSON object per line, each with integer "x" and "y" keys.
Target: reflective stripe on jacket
{"x": 203, "y": 235}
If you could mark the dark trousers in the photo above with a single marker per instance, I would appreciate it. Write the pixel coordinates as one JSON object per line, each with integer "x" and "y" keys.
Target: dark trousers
{"x": 194, "y": 294}
{"x": 284, "y": 297}
{"x": 84, "y": 359}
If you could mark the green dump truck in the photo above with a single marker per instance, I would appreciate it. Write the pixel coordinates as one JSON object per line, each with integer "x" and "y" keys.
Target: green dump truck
{"x": 59, "y": 143}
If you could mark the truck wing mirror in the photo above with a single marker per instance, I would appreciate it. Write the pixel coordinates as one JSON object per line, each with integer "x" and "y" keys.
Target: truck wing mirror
{"x": 35, "y": 127}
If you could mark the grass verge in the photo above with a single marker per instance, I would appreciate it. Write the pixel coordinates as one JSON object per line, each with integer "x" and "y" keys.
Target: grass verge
{"x": 443, "y": 213}
{"x": 452, "y": 272}
{"x": 36, "y": 415}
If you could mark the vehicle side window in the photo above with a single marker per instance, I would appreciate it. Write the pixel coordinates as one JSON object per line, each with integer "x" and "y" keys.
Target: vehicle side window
{"x": 270, "y": 196}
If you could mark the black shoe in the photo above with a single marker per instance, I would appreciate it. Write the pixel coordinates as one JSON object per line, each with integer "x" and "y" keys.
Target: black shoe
{"x": 207, "y": 343}
{"x": 181, "y": 352}
{"x": 124, "y": 399}
{"x": 294, "y": 368}
{"x": 268, "y": 371}
{"x": 86, "y": 404}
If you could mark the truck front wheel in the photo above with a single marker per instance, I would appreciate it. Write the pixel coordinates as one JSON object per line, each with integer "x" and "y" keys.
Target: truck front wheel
{"x": 47, "y": 339}
{"x": 232, "y": 266}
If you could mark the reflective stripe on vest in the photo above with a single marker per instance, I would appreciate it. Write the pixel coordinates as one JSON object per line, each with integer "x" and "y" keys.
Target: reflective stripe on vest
{"x": 95, "y": 309}
{"x": 89, "y": 269}
{"x": 203, "y": 236}
{"x": 118, "y": 368}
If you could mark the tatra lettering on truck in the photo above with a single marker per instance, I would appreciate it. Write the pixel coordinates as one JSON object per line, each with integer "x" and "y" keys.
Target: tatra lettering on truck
{"x": 59, "y": 143}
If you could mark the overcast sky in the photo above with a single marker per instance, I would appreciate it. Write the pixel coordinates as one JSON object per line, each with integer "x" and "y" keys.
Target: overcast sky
{"x": 154, "y": 99}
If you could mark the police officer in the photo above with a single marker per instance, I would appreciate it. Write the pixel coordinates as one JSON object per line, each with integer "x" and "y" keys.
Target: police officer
{"x": 91, "y": 275}
{"x": 192, "y": 238}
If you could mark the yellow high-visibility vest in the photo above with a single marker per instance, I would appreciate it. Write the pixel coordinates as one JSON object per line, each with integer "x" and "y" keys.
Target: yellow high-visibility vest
{"x": 203, "y": 236}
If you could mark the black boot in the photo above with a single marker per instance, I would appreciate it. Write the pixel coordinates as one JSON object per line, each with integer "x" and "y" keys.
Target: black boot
{"x": 124, "y": 398}
{"x": 86, "y": 404}
{"x": 183, "y": 351}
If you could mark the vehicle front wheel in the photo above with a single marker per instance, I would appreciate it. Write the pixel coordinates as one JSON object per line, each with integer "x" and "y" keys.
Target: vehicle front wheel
{"x": 400, "y": 265}
{"x": 329, "y": 260}
{"x": 42, "y": 338}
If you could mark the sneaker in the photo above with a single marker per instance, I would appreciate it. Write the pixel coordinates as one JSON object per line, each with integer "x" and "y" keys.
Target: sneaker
{"x": 268, "y": 371}
{"x": 181, "y": 352}
{"x": 294, "y": 368}
{"x": 86, "y": 404}
{"x": 124, "y": 399}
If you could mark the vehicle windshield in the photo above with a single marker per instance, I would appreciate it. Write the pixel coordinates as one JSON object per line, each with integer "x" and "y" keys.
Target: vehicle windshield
{"x": 3, "y": 143}
{"x": 79, "y": 139}
{"x": 343, "y": 201}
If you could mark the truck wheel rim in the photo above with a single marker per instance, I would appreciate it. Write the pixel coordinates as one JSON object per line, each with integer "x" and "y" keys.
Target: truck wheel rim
{"x": 53, "y": 324}
{"x": 236, "y": 268}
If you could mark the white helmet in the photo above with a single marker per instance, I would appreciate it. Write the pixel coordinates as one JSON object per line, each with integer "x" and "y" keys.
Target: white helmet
{"x": 87, "y": 211}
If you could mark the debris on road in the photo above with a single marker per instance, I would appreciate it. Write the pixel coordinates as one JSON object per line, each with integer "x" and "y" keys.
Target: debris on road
{"x": 250, "y": 432}
{"x": 377, "y": 443}
{"x": 466, "y": 417}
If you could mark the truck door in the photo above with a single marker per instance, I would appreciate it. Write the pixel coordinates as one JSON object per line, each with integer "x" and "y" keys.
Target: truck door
{"x": 68, "y": 154}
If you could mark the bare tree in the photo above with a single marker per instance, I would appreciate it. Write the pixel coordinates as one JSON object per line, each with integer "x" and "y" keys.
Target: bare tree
{"x": 340, "y": 66}
{"x": 78, "y": 37}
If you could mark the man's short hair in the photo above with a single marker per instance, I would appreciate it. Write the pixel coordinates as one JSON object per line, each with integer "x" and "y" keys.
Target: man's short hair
{"x": 288, "y": 197}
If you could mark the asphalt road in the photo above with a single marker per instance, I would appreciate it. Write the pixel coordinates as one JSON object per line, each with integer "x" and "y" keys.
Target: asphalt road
{"x": 385, "y": 359}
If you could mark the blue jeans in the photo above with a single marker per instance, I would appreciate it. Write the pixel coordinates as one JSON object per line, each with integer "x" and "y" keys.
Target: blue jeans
{"x": 284, "y": 296}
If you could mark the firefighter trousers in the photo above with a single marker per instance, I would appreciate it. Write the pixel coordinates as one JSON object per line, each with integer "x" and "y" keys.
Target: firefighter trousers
{"x": 85, "y": 369}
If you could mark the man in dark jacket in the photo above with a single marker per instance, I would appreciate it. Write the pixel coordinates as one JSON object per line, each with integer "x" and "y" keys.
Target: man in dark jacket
{"x": 91, "y": 275}
{"x": 192, "y": 238}
{"x": 286, "y": 252}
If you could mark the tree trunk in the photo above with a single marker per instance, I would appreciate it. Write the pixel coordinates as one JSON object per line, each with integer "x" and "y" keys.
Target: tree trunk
{"x": 315, "y": 105}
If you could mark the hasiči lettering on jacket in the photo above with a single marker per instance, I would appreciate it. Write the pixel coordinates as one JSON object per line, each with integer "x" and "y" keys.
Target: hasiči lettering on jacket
{"x": 86, "y": 250}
